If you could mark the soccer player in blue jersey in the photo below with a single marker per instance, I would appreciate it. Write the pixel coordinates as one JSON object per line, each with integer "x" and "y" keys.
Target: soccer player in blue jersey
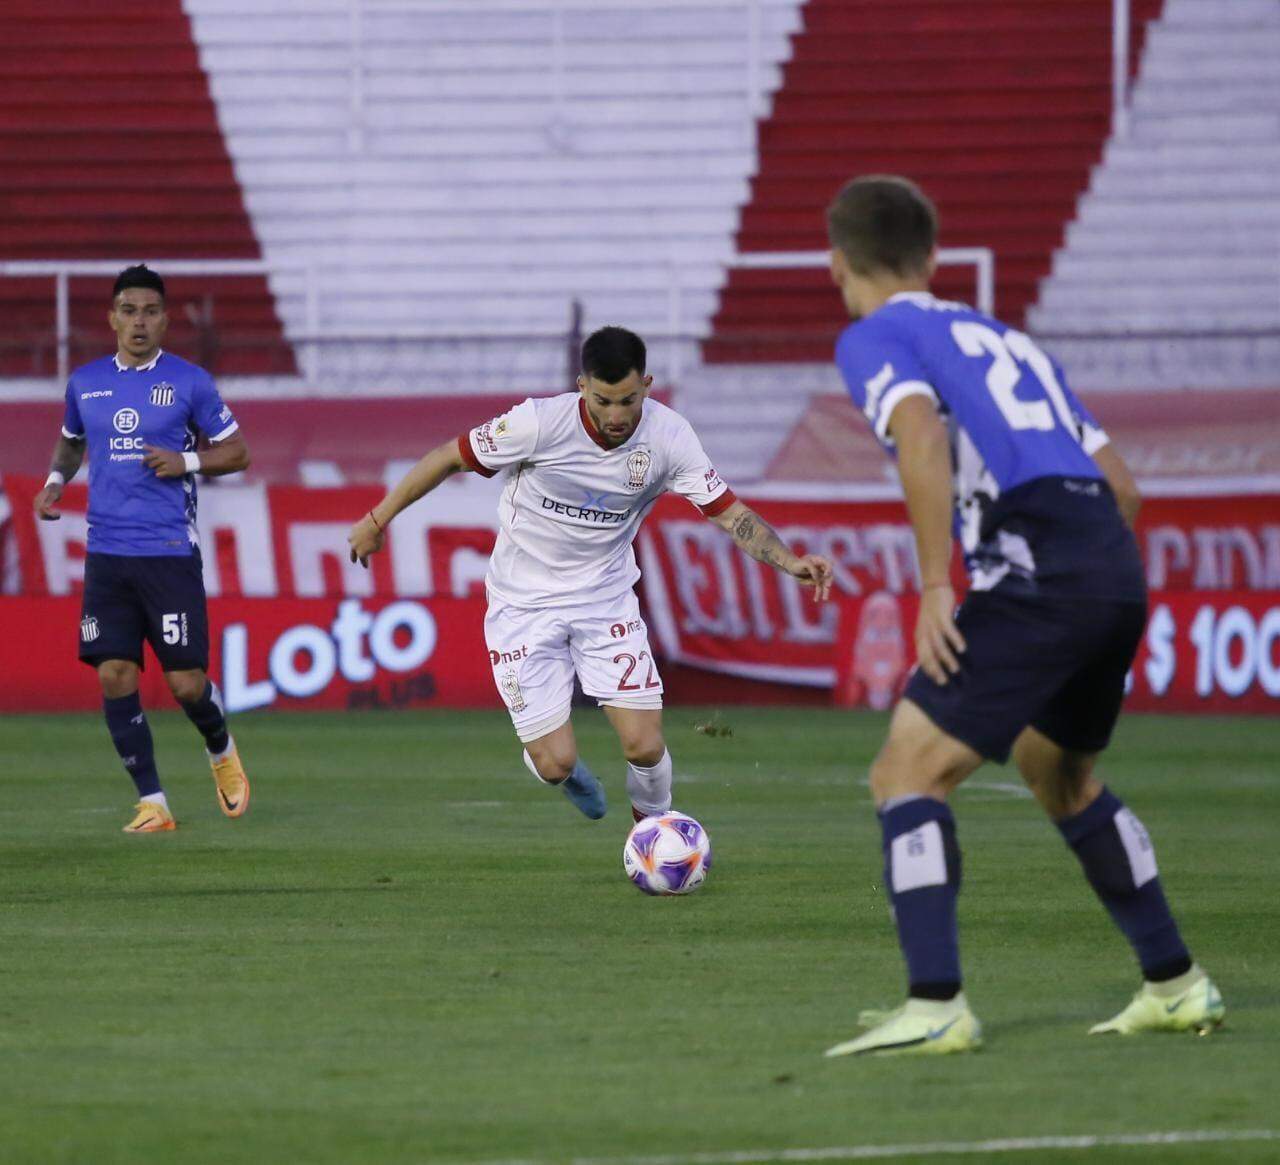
{"x": 138, "y": 414}
{"x": 992, "y": 445}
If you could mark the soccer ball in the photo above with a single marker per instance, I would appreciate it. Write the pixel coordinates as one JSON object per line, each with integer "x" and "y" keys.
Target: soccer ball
{"x": 667, "y": 854}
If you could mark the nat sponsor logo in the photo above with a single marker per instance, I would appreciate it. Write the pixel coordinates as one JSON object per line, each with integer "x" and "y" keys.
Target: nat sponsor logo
{"x": 622, "y": 630}
{"x": 305, "y": 659}
{"x": 497, "y": 657}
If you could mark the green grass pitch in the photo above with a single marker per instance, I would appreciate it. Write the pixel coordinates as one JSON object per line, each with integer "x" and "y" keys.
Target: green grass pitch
{"x": 409, "y": 951}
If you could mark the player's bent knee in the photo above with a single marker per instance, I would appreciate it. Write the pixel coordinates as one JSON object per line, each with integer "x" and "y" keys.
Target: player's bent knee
{"x": 187, "y": 686}
{"x": 118, "y": 677}
{"x": 644, "y": 750}
{"x": 554, "y": 763}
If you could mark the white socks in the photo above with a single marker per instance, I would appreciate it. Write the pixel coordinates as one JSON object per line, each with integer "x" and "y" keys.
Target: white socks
{"x": 650, "y": 789}
{"x": 157, "y": 799}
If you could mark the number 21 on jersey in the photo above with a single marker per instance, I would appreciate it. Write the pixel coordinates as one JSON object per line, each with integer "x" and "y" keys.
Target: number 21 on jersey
{"x": 1010, "y": 354}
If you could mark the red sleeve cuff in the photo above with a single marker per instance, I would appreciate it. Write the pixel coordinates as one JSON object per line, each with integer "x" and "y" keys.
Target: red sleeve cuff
{"x": 714, "y": 508}
{"x": 469, "y": 458}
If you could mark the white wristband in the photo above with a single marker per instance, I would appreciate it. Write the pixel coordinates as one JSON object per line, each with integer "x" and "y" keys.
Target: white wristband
{"x": 54, "y": 478}
{"x": 192, "y": 462}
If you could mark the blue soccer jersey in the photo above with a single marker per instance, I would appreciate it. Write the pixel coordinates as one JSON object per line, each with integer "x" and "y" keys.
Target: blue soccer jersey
{"x": 117, "y": 410}
{"x": 1030, "y": 501}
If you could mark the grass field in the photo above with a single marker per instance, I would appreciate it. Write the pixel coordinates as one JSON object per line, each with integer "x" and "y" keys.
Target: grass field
{"x": 409, "y": 951}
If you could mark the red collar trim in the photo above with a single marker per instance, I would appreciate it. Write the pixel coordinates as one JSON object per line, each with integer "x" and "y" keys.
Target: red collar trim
{"x": 589, "y": 426}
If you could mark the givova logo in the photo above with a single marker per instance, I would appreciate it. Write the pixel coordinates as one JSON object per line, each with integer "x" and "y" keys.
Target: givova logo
{"x": 89, "y": 630}
{"x": 125, "y": 420}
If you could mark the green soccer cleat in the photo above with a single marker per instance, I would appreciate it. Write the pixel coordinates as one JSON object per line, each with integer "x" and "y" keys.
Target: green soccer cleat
{"x": 920, "y": 1027}
{"x": 1189, "y": 1003}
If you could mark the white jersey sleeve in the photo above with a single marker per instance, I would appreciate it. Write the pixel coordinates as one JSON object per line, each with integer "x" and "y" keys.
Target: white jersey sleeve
{"x": 692, "y": 475}
{"x": 504, "y": 441}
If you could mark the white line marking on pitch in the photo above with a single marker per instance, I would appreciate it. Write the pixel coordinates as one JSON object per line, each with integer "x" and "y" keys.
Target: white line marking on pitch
{"x": 927, "y": 1149}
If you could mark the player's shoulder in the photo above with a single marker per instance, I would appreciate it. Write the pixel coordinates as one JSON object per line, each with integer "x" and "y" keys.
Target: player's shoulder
{"x": 92, "y": 370}
{"x": 170, "y": 365}
{"x": 666, "y": 425}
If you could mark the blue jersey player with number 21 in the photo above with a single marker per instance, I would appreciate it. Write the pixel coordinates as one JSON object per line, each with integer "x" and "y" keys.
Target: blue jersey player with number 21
{"x": 993, "y": 447}
{"x": 138, "y": 414}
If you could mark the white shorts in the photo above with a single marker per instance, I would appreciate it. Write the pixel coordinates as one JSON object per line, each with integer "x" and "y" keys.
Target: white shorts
{"x": 535, "y": 653}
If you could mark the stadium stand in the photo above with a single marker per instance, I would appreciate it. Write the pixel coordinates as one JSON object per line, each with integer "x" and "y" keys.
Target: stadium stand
{"x": 998, "y": 110}
{"x": 448, "y": 183}
{"x": 1169, "y": 270}
{"x": 112, "y": 150}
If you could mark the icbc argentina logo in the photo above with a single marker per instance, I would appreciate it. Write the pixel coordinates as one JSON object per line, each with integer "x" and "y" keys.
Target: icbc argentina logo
{"x": 125, "y": 420}
{"x": 622, "y": 630}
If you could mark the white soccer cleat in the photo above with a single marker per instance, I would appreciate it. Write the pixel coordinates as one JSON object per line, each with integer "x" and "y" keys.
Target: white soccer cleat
{"x": 920, "y": 1027}
{"x": 1189, "y": 1003}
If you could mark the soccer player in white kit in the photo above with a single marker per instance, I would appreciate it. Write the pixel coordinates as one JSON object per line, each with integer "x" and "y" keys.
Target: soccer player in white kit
{"x": 582, "y": 470}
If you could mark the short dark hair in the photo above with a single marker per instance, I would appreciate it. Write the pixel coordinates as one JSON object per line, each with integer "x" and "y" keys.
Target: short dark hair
{"x": 611, "y": 354}
{"x": 138, "y": 276}
{"x": 881, "y": 222}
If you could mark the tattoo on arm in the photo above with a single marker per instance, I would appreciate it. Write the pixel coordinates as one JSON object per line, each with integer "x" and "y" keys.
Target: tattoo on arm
{"x": 758, "y": 539}
{"x": 67, "y": 457}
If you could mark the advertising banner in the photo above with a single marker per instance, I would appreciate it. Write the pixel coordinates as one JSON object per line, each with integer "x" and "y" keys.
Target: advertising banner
{"x": 1201, "y": 652}
{"x": 273, "y": 653}
{"x": 709, "y": 606}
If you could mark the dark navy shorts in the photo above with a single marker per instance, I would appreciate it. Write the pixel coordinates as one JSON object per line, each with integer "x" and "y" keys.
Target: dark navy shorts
{"x": 129, "y": 600}
{"x": 1056, "y": 664}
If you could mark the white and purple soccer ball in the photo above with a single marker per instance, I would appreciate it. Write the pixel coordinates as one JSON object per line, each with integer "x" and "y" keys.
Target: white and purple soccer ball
{"x": 667, "y": 854}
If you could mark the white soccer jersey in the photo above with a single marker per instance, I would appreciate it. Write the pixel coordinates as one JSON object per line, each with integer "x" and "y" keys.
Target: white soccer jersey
{"x": 572, "y": 505}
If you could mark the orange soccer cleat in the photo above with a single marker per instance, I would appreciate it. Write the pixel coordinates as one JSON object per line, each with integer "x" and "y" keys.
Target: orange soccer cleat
{"x": 150, "y": 818}
{"x": 230, "y": 779}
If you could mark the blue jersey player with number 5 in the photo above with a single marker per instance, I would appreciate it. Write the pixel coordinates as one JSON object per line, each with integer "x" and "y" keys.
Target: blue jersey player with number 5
{"x": 138, "y": 415}
{"x": 992, "y": 447}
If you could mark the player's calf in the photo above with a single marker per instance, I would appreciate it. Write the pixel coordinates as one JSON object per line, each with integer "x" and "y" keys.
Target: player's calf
{"x": 1119, "y": 861}
{"x": 579, "y": 784}
{"x": 649, "y": 787}
{"x": 202, "y": 702}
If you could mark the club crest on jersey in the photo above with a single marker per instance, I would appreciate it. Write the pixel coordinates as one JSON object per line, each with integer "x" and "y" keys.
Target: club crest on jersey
{"x": 89, "y": 630}
{"x": 125, "y": 420}
{"x": 162, "y": 394}
{"x": 511, "y": 692}
{"x": 638, "y": 469}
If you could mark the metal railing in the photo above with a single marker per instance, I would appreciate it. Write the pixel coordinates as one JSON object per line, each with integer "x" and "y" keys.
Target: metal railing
{"x": 64, "y": 270}
{"x": 1120, "y": 37}
{"x": 983, "y": 260}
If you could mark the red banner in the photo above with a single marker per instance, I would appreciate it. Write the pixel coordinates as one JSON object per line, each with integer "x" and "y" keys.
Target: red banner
{"x": 712, "y": 607}
{"x": 709, "y": 605}
{"x": 1200, "y": 653}
{"x": 279, "y": 653}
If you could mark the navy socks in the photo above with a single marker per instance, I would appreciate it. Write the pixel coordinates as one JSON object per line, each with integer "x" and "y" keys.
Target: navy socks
{"x": 1120, "y": 863}
{"x": 132, "y": 738}
{"x": 207, "y": 715}
{"x": 922, "y": 876}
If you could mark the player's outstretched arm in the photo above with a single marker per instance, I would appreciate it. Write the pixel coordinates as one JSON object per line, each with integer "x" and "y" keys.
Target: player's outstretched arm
{"x": 924, "y": 465}
{"x": 68, "y": 455}
{"x": 366, "y": 536}
{"x": 757, "y": 538}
